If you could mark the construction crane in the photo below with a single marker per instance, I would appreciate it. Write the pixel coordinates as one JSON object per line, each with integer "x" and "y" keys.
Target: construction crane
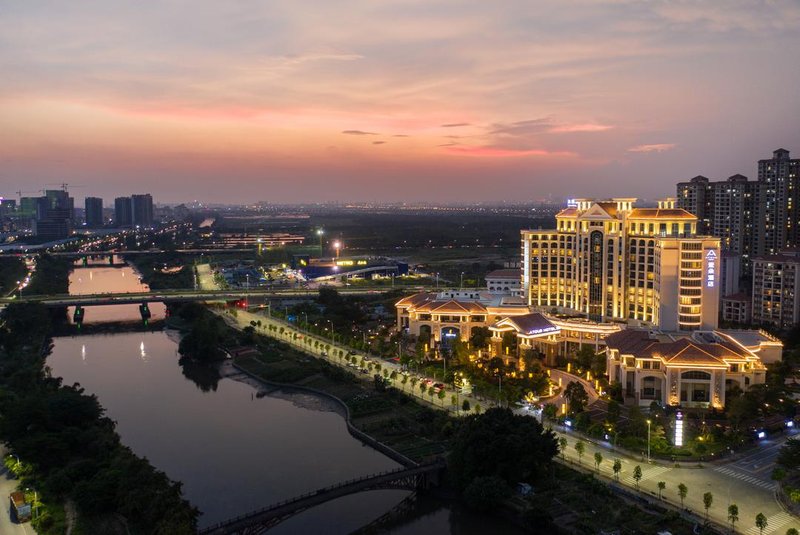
{"x": 64, "y": 185}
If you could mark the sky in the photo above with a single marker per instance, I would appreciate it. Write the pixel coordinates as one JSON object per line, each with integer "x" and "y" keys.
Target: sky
{"x": 440, "y": 100}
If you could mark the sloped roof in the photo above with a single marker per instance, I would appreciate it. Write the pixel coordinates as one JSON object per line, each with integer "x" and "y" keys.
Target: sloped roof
{"x": 568, "y": 212}
{"x": 638, "y": 343}
{"x": 416, "y": 299}
{"x": 504, "y": 274}
{"x": 660, "y": 213}
{"x": 530, "y": 323}
{"x": 609, "y": 207}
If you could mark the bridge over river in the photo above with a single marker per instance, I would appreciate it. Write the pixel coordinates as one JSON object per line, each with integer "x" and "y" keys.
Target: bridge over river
{"x": 419, "y": 477}
{"x": 174, "y": 296}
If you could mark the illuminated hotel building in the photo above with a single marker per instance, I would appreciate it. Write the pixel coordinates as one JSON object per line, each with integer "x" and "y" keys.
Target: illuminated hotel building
{"x": 611, "y": 261}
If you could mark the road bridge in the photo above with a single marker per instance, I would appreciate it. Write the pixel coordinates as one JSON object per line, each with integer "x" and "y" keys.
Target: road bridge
{"x": 175, "y": 296}
{"x": 415, "y": 478}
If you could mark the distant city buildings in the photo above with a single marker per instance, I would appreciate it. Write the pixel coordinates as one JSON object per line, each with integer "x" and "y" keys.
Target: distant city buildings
{"x": 142, "y": 210}
{"x": 93, "y": 212}
{"x": 134, "y": 211}
{"x": 54, "y": 215}
{"x": 123, "y": 212}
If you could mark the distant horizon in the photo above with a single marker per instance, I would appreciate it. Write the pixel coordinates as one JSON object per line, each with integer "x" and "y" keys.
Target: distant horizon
{"x": 393, "y": 100}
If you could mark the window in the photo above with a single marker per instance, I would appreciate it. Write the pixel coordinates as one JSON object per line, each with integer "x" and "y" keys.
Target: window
{"x": 697, "y": 375}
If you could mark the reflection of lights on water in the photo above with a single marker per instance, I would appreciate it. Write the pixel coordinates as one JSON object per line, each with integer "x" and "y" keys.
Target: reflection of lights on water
{"x": 83, "y": 352}
{"x": 142, "y": 351}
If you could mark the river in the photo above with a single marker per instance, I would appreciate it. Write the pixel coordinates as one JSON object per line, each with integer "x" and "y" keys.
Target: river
{"x": 233, "y": 452}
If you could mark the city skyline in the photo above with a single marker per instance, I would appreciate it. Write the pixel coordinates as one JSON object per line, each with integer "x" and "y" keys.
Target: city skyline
{"x": 394, "y": 101}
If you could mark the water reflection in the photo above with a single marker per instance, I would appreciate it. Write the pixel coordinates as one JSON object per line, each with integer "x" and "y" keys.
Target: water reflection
{"x": 203, "y": 374}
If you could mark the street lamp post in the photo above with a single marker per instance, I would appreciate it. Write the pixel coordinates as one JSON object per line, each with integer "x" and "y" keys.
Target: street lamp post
{"x": 320, "y": 232}
{"x": 337, "y": 245}
{"x": 333, "y": 337}
{"x": 462, "y": 281}
{"x": 437, "y": 280}
{"x": 648, "y": 441}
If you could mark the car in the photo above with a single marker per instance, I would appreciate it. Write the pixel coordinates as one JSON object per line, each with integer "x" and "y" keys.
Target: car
{"x": 324, "y": 353}
{"x": 352, "y": 352}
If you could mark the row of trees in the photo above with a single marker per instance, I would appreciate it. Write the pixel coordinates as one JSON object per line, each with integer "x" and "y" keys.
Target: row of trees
{"x": 683, "y": 490}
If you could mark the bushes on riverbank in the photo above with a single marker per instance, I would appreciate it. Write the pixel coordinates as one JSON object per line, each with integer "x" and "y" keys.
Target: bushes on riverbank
{"x": 70, "y": 446}
{"x": 12, "y": 269}
{"x": 164, "y": 271}
{"x": 51, "y": 276}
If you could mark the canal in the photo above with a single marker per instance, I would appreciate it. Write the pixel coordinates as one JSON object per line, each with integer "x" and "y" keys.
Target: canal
{"x": 232, "y": 451}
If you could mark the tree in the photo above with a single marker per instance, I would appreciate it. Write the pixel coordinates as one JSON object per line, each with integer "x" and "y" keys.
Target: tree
{"x": 761, "y": 522}
{"x": 598, "y": 458}
{"x": 441, "y": 395}
{"x": 562, "y": 443}
{"x": 792, "y": 531}
{"x": 502, "y": 444}
{"x": 576, "y": 396}
{"x": 465, "y": 406}
{"x": 733, "y": 515}
{"x": 708, "y": 499}
{"x": 480, "y": 337}
{"x": 661, "y": 486}
{"x": 789, "y": 456}
{"x": 486, "y": 492}
{"x": 617, "y": 468}
{"x": 613, "y": 412}
{"x": 682, "y": 492}
{"x": 585, "y": 356}
{"x": 637, "y": 475}
{"x": 580, "y": 447}
{"x": 478, "y": 408}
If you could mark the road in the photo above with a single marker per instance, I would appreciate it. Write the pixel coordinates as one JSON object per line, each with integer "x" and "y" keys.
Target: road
{"x": 725, "y": 482}
{"x": 7, "y": 486}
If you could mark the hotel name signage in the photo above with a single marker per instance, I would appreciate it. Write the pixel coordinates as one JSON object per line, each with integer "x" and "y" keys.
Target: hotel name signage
{"x": 711, "y": 268}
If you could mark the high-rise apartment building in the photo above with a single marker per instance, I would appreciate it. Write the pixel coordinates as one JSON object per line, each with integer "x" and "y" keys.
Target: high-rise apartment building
{"x": 696, "y": 197}
{"x": 123, "y": 212}
{"x": 142, "y": 210}
{"x": 780, "y": 176}
{"x": 612, "y": 261}
{"x": 730, "y": 210}
{"x": 776, "y": 289}
{"x": 94, "y": 212}
{"x": 54, "y": 214}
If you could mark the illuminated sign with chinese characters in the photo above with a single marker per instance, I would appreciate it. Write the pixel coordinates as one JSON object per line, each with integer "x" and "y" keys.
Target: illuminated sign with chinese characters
{"x": 572, "y": 203}
{"x": 711, "y": 268}
{"x": 679, "y": 429}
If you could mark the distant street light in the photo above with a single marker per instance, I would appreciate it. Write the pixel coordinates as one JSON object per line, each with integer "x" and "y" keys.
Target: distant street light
{"x": 337, "y": 245}
{"x": 320, "y": 232}
{"x": 462, "y": 280}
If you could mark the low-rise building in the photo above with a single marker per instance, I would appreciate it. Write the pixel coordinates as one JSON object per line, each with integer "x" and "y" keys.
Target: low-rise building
{"x": 504, "y": 281}
{"x": 690, "y": 371}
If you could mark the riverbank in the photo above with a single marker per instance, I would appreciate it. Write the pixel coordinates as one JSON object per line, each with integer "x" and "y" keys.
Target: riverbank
{"x": 68, "y": 450}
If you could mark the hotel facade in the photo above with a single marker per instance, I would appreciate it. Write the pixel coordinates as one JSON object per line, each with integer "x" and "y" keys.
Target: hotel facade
{"x": 611, "y": 261}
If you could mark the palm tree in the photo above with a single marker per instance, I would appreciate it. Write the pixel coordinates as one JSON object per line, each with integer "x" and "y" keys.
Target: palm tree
{"x": 562, "y": 442}
{"x": 637, "y": 475}
{"x": 708, "y": 499}
{"x": 682, "y": 492}
{"x": 761, "y": 523}
{"x": 617, "y": 468}
{"x": 733, "y": 515}
{"x": 598, "y": 458}
{"x": 661, "y": 486}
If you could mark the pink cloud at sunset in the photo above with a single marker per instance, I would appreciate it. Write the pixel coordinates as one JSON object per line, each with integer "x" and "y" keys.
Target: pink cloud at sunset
{"x": 532, "y": 99}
